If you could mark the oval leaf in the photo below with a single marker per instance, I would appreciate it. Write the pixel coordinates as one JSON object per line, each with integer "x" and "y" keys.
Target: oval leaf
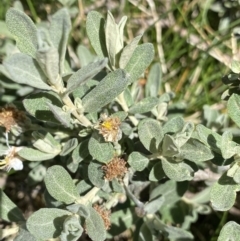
{"x": 47, "y": 223}
{"x": 138, "y": 161}
{"x": 60, "y": 185}
{"x": 106, "y": 91}
{"x": 24, "y": 31}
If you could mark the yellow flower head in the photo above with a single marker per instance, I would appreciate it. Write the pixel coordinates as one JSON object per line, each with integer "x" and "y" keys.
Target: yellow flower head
{"x": 109, "y": 128}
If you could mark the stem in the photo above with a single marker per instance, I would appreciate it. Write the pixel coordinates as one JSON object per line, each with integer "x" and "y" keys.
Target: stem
{"x": 81, "y": 118}
{"x": 122, "y": 102}
{"x": 88, "y": 197}
{"x": 33, "y": 11}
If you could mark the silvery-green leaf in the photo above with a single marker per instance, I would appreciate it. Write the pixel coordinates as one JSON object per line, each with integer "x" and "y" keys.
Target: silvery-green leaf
{"x": 234, "y": 172}
{"x": 120, "y": 38}
{"x": 150, "y": 134}
{"x": 59, "y": 31}
{"x": 52, "y": 202}
{"x": 139, "y": 61}
{"x": 95, "y": 226}
{"x": 60, "y": 184}
{"x": 128, "y": 51}
{"x": 37, "y": 105}
{"x": 23, "y": 30}
{"x": 173, "y": 125}
{"x": 195, "y": 151}
{"x": 144, "y": 105}
{"x": 31, "y": 154}
{"x": 9, "y": 211}
{"x": 128, "y": 97}
{"x": 106, "y": 91}
{"x": 47, "y": 223}
{"x": 235, "y": 66}
{"x": 100, "y": 150}
{"x": 84, "y": 74}
{"x": 156, "y": 172}
{"x": 154, "y": 81}
{"x": 62, "y": 116}
{"x": 223, "y": 193}
{"x": 111, "y": 37}
{"x": 96, "y": 34}
{"x": 177, "y": 171}
{"x": 25, "y": 70}
{"x": 72, "y": 229}
{"x": 67, "y": 3}
{"x": 230, "y": 231}
{"x": 47, "y": 138}
{"x": 233, "y": 107}
{"x": 122, "y": 115}
{"x": 84, "y": 186}
{"x": 79, "y": 154}
{"x": 80, "y": 209}
{"x": 69, "y": 146}
{"x": 49, "y": 61}
{"x": 43, "y": 146}
{"x": 24, "y": 235}
{"x": 154, "y": 205}
{"x": 138, "y": 161}
{"x": 95, "y": 174}
{"x": 84, "y": 55}
{"x": 117, "y": 187}
{"x": 228, "y": 147}
{"x": 209, "y": 138}
{"x": 183, "y": 136}
{"x": 169, "y": 146}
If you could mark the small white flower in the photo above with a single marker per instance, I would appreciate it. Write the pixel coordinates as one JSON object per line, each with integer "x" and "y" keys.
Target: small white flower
{"x": 12, "y": 160}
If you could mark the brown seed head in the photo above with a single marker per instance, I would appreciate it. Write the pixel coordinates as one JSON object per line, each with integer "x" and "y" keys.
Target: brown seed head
{"x": 10, "y": 116}
{"x": 105, "y": 214}
{"x": 116, "y": 168}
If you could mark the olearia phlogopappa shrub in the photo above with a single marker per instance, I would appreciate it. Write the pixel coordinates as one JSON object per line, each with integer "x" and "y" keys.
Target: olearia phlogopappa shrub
{"x": 98, "y": 140}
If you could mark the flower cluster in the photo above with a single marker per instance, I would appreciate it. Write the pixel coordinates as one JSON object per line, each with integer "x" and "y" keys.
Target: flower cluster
{"x": 105, "y": 215}
{"x": 109, "y": 128}
{"x": 10, "y": 117}
{"x": 12, "y": 160}
{"x": 116, "y": 168}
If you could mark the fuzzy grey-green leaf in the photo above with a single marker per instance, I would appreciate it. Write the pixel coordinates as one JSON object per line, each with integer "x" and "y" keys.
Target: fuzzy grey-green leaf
{"x": 84, "y": 74}
{"x": 233, "y": 107}
{"x": 32, "y": 154}
{"x": 144, "y": 105}
{"x": 69, "y": 146}
{"x": 128, "y": 51}
{"x": 138, "y": 161}
{"x": 230, "y": 232}
{"x": 37, "y": 105}
{"x": 150, "y": 134}
{"x": 47, "y": 223}
{"x": 24, "y": 31}
{"x": 59, "y": 31}
{"x": 9, "y": 211}
{"x": 60, "y": 184}
{"x": 139, "y": 61}
{"x": 177, "y": 171}
{"x": 95, "y": 174}
{"x": 106, "y": 91}
{"x": 25, "y": 70}
{"x": 95, "y": 31}
{"x": 95, "y": 226}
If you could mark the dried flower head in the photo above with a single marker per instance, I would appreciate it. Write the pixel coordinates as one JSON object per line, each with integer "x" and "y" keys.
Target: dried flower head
{"x": 10, "y": 116}
{"x": 109, "y": 128}
{"x": 116, "y": 168}
{"x": 12, "y": 160}
{"x": 105, "y": 214}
